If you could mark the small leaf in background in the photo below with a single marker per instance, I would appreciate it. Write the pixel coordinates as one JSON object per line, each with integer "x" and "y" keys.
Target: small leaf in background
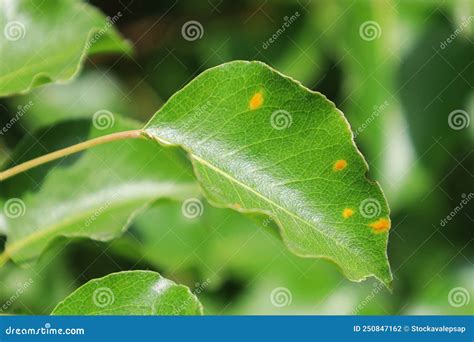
{"x": 46, "y": 41}
{"x": 261, "y": 142}
{"x": 130, "y": 293}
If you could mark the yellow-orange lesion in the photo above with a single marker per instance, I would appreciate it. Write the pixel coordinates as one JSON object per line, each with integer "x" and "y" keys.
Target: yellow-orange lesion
{"x": 347, "y": 212}
{"x": 236, "y": 206}
{"x": 380, "y": 226}
{"x": 256, "y": 101}
{"x": 339, "y": 165}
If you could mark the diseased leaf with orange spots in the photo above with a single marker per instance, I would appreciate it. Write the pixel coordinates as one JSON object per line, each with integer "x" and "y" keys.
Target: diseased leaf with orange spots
{"x": 262, "y": 143}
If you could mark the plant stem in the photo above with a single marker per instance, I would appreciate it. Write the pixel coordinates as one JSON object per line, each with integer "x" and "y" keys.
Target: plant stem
{"x": 134, "y": 134}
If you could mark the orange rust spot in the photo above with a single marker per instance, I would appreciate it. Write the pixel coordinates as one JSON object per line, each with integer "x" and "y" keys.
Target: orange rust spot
{"x": 256, "y": 101}
{"x": 236, "y": 206}
{"x": 347, "y": 212}
{"x": 339, "y": 165}
{"x": 381, "y": 225}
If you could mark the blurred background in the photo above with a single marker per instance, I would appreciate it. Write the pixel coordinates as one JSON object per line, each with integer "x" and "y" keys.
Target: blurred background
{"x": 401, "y": 71}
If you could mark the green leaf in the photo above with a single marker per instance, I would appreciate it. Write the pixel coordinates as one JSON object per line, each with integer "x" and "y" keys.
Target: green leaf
{"x": 262, "y": 143}
{"x": 94, "y": 197}
{"x": 130, "y": 293}
{"x": 47, "y": 41}
{"x": 86, "y": 95}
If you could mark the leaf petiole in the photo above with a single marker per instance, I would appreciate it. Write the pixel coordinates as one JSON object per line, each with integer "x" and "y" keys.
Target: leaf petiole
{"x": 133, "y": 134}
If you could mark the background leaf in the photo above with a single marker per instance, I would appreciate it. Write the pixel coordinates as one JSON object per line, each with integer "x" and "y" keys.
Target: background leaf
{"x": 95, "y": 196}
{"x": 260, "y": 142}
{"x": 46, "y": 41}
{"x": 130, "y": 293}
{"x": 81, "y": 98}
